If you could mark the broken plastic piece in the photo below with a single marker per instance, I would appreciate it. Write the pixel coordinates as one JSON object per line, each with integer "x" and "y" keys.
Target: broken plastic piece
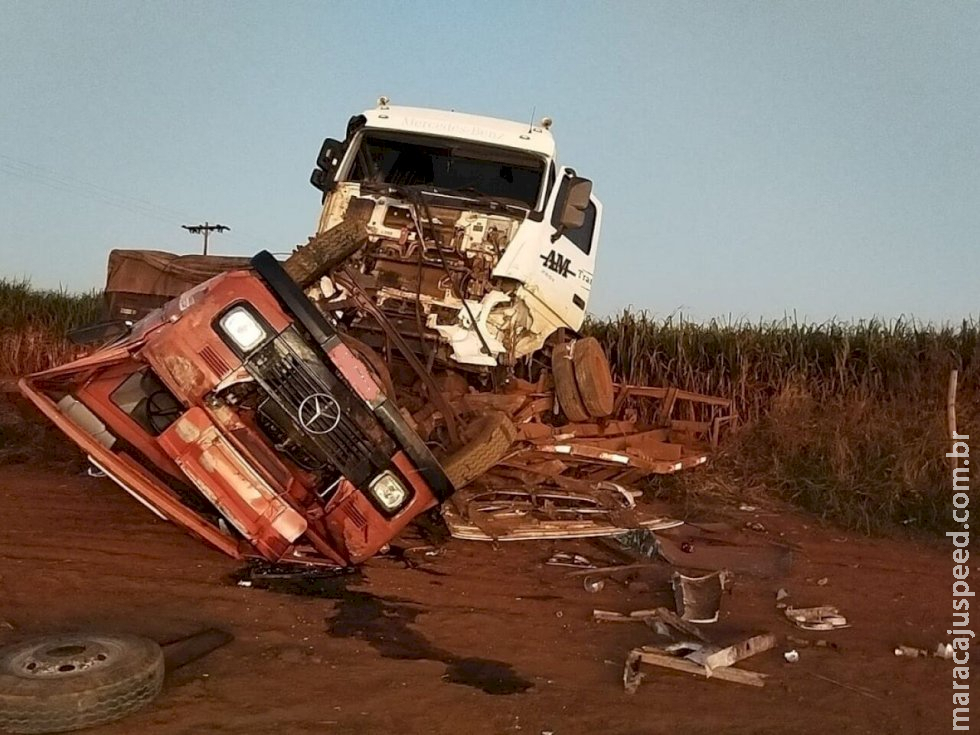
{"x": 911, "y": 652}
{"x": 825, "y": 617}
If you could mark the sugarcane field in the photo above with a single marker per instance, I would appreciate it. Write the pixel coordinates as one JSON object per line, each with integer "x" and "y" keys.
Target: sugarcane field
{"x": 443, "y": 436}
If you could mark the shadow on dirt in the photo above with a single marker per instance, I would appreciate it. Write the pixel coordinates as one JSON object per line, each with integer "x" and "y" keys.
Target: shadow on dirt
{"x": 385, "y": 623}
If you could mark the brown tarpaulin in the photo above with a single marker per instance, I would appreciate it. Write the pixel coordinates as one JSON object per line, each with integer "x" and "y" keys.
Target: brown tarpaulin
{"x": 139, "y": 281}
{"x": 164, "y": 274}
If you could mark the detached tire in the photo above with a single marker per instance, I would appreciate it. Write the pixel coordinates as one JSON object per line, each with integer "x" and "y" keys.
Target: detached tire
{"x": 332, "y": 247}
{"x": 69, "y": 682}
{"x": 566, "y": 388}
{"x": 493, "y": 434}
{"x": 593, "y": 377}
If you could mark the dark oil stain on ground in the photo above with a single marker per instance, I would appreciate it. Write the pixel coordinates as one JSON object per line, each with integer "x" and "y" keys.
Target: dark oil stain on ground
{"x": 385, "y": 624}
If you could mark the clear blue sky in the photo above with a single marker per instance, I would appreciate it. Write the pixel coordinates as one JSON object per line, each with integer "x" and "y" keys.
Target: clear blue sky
{"x": 753, "y": 158}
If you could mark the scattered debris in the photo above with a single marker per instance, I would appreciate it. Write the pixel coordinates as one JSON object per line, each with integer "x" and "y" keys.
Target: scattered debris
{"x": 822, "y": 582}
{"x": 632, "y": 676}
{"x": 566, "y": 559}
{"x": 655, "y": 618}
{"x": 724, "y": 657}
{"x": 809, "y": 643}
{"x": 519, "y": 514}
{"x": 910, "y": 652}
{"x": 781, "y": 594}
{"x": 698, "y": 599}
{"x": 792, "y": 656}
{"x": 641, "y": 543}
{"x": 942, "y": 650}
{"x": 593, "y": 584}
{"x": 825, "y": 617}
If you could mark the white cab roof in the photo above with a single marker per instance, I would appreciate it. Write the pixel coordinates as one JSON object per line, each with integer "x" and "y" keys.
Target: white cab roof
{"x": 487, "y": 130}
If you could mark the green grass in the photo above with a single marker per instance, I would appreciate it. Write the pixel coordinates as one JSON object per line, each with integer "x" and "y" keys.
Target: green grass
{"x": 846, "y": 420}
{"x": 33, "y": 323}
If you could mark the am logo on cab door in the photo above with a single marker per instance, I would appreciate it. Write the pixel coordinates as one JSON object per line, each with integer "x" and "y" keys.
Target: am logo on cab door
{"x": 558, "y": 263}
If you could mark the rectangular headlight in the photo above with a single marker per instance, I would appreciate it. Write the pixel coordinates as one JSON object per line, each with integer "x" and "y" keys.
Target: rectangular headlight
{"x": 243, "y": 328}
{"x": 389, "y": 491}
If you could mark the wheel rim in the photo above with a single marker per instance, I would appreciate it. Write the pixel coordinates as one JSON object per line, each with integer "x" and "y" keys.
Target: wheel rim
{"x": 63, "y": 658}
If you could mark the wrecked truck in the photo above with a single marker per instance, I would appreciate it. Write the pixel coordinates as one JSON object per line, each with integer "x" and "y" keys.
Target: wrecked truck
{"x": 463, "y": 232}
{"x": 241, "y": 391}
{"x": 314, "y": 426}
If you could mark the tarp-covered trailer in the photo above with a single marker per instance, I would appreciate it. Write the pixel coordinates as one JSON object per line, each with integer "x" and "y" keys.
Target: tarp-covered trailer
{"x": 139, "y": 281}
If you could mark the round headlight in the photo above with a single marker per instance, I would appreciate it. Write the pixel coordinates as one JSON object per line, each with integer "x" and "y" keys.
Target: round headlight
{"x": 389, "y": 491}
{"x": 243, "y": 328}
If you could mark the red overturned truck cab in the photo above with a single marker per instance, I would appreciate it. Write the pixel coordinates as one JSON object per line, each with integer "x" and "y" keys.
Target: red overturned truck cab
{"x": 240, "y": 400}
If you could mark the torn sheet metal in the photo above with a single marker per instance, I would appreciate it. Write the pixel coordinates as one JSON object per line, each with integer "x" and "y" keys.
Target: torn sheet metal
{"x": 522, "y": 515}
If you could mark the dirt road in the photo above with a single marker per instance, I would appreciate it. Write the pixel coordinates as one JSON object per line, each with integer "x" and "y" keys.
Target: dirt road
{"x": 472, "y": 640}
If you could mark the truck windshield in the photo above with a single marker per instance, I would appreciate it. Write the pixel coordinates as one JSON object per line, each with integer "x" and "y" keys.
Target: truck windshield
{"x": 446, "y": 164}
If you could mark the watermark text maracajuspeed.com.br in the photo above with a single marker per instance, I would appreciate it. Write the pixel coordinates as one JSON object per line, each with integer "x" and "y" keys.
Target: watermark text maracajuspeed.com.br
{"x": 960, "y": 631}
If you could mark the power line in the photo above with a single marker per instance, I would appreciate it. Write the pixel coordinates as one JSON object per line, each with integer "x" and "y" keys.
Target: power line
{"x": 66, "y": 182}
{"x": 60, "y": 181}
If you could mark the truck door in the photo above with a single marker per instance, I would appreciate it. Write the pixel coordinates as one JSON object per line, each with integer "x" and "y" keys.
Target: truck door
{"x": 561, "y": 277}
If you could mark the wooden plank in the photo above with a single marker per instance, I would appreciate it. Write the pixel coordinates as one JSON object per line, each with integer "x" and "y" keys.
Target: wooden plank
{"x": 651, "y": 449}
{"x": 585, "y": 451}
{"x": 649, "y": 391}
{"x": 621, "y": 397}
{"x": 739, "y": 651}
{"x": 536, "y": 407}
{"x": 655, "y": 657}
{"x": 648, "y": 442}
{"x": 549, "y": 467}
{"x": 628, "y": 458}
{"x": 693, "y": 461}
{"x": 589, "y": 430}
{"x": 532, "y": 430}
{"x": 602, "y": 474}
{"x": 477, "y": 402}
{"x": 667, "y": 407}
{"x": 642, "y": 391}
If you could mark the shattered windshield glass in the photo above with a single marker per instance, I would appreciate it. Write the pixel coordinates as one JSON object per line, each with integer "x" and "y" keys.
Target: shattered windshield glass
{"x": 449, "y": 165}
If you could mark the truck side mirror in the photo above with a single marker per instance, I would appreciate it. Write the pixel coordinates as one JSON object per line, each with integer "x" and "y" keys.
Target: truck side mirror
{"x": 573, "y": 201}
{"x": 331, "y": 153}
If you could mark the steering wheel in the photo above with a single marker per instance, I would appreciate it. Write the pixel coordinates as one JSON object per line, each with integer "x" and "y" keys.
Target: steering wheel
{"x": 161, "y": 414}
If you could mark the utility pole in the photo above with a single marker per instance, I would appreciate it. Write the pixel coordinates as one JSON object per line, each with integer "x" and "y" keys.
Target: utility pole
{"x": 205, "y": 229}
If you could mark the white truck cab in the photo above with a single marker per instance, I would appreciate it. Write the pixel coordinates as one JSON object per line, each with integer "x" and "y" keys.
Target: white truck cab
{"x": 480, "y": 245}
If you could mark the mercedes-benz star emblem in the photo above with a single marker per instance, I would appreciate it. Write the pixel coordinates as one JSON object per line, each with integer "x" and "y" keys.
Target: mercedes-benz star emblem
{"x": 319, "y": 413}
